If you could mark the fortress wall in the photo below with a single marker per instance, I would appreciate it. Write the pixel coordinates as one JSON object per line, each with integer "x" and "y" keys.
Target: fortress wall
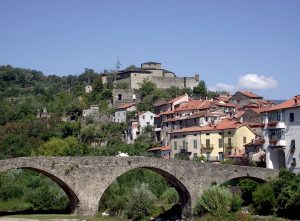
{"x": 167, "y": 82}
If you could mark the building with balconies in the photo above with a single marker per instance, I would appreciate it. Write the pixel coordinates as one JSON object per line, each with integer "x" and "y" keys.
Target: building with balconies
{"x": 215, "y": 141}
{"x": 282, "y": 135}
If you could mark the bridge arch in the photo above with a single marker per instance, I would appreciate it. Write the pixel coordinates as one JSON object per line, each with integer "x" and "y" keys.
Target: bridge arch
{"x": 183, "y": 192}
{"x": 73, "y": 199}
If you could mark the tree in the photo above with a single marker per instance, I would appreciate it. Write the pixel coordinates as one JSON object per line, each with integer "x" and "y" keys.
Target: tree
{"x": 140, "y": 202}
{"x": 247, "y": 187}
{"x": 98, "y": 85}
{"x": 264, "y": 199}
{"x": 216, "y": 201}
{"x": 200, "y": 89}
{"x": 147, "y": 88}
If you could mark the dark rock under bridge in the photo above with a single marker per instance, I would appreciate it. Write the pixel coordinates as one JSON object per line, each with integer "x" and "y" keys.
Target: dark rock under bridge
{"x": 84, "y": 179}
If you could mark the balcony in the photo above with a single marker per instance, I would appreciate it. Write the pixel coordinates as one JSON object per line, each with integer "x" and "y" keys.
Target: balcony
{"x": 277, "y": 141}
{"x": 210, "y": 146}
{"x": 228, "y": 145}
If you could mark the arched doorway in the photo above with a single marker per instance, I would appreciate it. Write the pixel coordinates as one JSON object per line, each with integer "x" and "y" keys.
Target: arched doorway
{"x": 180, "y": 209}
{"x": 36, "y": 191}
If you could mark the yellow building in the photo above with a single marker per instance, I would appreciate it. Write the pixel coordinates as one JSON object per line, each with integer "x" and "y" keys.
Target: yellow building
{"x": 227, "y": 138}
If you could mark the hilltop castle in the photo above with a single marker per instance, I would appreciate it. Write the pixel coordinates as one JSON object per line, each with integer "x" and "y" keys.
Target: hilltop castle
{"x": 161, "y": 77}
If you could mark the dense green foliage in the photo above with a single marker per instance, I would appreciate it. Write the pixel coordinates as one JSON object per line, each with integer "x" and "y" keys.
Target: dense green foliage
{"x": 24, "y": 189}
{"x": 216, "y": 201}
{"x": 264, "y": 199}
{"x": 148, "y": 186}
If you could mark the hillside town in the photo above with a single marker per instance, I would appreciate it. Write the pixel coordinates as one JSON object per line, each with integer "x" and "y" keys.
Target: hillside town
{"x": 240, "y": 127}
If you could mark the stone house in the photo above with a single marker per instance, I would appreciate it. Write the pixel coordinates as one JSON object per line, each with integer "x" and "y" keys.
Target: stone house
{"x": 224, "y": 139}
{"x": 163, "y": 152}
{"x": 121, "y": 112}
{"x": 153, "y": 72}
{"x": 281, "y": 135}
{"x": 146, "y": 119}
{"x": 88, "y": 89}
{"x": 93, "y": 111}
{"x": 242, "y": 98}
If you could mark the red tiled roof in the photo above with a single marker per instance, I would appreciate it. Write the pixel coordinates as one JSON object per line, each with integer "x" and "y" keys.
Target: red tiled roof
{"x": 176, "y": 98}
{"x": 291, "y": 103}
{"x": 257, "y": 142}
{"x": 223, "y": 125}
{"x": 250, "y": 94}
{"x": 164, "y": 148}
{"x": 239, "y": 114}
{"x": 125, "y": 106}
{"x": 194, "y": 105}
{"x": 166, "y": 113}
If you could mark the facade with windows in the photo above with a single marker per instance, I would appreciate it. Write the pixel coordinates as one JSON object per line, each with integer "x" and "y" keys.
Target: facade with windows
{"x": 121, "y": 112}
{"x": 282, "y": 135}
{"x": 146, "y": 119}
{"x": 214, "y": 142}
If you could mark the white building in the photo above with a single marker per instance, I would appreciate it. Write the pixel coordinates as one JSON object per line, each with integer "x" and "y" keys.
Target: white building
{"x": 121, "y": 112}
{"x": 282, "y": 135}
{"x": 145, "y": 119}
{"x": 88, "y": 89}
{"x": 93, "y": 111}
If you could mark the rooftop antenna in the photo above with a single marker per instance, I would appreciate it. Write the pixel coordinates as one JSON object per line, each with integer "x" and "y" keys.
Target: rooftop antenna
{"x": 118, "y": 65}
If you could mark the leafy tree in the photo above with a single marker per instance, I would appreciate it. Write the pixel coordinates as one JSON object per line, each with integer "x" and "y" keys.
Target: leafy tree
{"x": 264, "y": 199}
{"x": 98, "y": 85}
{"x": 216, "y": 201}
{"x": 200, "y": 89}
{"x": 170, "y": 195}
{"x": 147, "y": 88}
{"x": 140, "y": 202}
{"x": 61, "y": 147}
{"x": 247, "y": 187}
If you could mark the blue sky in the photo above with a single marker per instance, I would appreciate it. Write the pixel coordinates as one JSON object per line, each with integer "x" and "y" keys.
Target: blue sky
{"x": 233, "y": 44}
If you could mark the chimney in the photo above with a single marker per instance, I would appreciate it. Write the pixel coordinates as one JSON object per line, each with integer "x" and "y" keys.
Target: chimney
{"x": 295, "y": 100}
{"x": 197, "y": 78}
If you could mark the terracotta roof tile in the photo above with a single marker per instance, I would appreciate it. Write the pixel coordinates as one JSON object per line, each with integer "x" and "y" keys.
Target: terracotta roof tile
{"x": 291, "y": 103}
{"x": 194, "y": 105}
{"x": 223, "y": 125}
{"x": 250, "y": 94}
{"x": 163, "y": 148}
{"x": 125, "y": 106}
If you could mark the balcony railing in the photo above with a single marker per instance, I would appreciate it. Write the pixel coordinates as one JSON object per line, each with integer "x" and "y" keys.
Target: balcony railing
{"x": 228, "y": 145}
{"x": 210, "y": 146}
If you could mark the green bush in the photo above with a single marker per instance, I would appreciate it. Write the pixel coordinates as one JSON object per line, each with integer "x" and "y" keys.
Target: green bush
{"x": 264, "y": 199}
{"x": 170, "y": 195}
{"x": 216, "y": 201}
{"x": 247, "y": 187}
{"x": 140, "y": 202}
{"x": 236, "y": 203}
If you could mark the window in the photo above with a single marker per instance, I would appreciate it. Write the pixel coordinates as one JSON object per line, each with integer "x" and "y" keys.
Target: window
{"x": 229, "y": 132}
{"x": 143, "y": 116}
{"x": 183, "y": 144}
{"x": 220, "y": 143}
{"x": 229, "y": 142}
{"x": 292, "y": 117}
{"x": 207, "y": 134}
{"x": 151, "y": 117}
{"x": 175, "y": 145}
{"x": 195, "y": 144}
{"x": 207, "y": 143}
{"x": 220, "y": 133}
{"x": 207, "y": 155}
{"x": 244, "y": 139}
{"x": 195, "y": 155}
{"x": 119, "y": 97}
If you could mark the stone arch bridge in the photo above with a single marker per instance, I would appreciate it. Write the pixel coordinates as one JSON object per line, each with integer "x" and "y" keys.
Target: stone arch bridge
{"x": 84, "y": 179}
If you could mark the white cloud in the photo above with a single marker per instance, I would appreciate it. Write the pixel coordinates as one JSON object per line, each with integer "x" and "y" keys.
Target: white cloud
{"x": 222, "y": 87}
{"x": 256, "y": 82}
